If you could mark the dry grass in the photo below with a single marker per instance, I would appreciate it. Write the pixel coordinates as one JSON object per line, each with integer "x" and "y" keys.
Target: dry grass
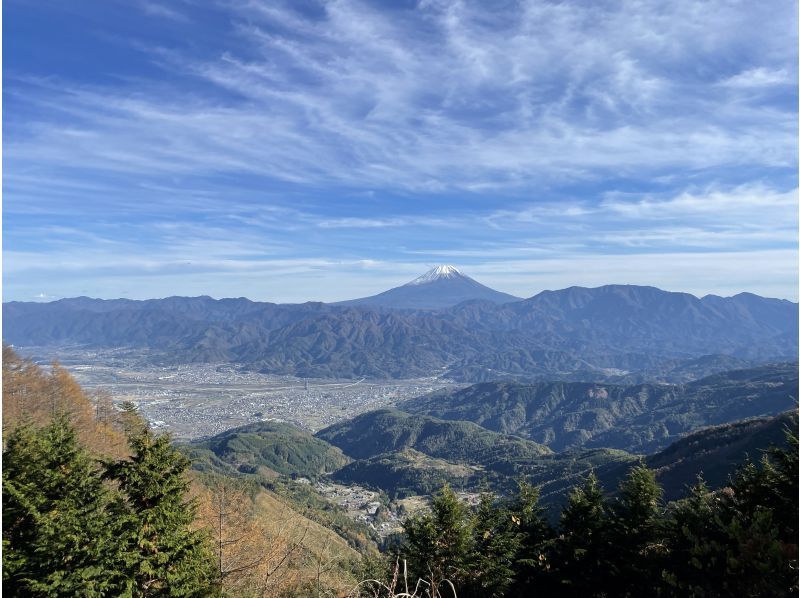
{"x": 399, "y": 587}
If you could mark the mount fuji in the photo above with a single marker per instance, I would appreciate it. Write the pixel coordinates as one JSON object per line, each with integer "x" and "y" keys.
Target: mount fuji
{"x": 440, "y": 287}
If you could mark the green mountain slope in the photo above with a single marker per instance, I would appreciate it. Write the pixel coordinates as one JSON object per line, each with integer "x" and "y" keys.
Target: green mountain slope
{"x": 267, "y": 448}
{"x": 641, "y": 418}
{"x": 407, "y": 472}
{"x": 717, "y": 451}
{"x": 386, "y": 430}
{"x": 714, "y": 452}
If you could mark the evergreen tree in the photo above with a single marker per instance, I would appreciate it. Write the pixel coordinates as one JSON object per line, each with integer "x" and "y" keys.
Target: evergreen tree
{"x": 759, "y": 517}
{"x": 59, "y": 537}
{"x": 438, "y": 544}
{"x": 580, "y": 552}
{"x": 716, "y": 549}
{"x": 532, "y": 566}
{"x": 773, "y": 487}
{"x": 129, "y": 419}
{"x": 696, "y": 544}
{"x": 171, "y": 559}
{"x": 496, "y": 542}
{"x": 636, "y": 538}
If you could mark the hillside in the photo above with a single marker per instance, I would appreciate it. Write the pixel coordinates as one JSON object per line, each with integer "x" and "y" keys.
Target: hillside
{"x": 637, "y": 418}
{"x": 266, "y": 448}
{"x": 713, "y": 452}
{"x": 386, "y": 430}
{"x": 408, "y": 472}
{"x": 717, "y": 451}
{"x": 573, "y": 334}
{"x": 33, "y": 394}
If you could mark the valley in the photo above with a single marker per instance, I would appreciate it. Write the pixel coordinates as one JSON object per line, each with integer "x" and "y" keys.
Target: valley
{"x": 354, "y": 416}
{"x": 196, "y": 400}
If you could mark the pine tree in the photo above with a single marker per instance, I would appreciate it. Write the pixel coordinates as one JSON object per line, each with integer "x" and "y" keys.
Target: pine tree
{"x": 496, "y": 542}
{"x": 580, "y": 551}
{"x": 171, "y": 559}
{"x": 438, "y": 543}
{"x": 637, "y": 546}
{"x": 59, "y": 537}
{"x": 759, "y": 518}
{"x": 696, "y": 541}
{"x": 129, "y": 420}
{"x": 532, "y": 566}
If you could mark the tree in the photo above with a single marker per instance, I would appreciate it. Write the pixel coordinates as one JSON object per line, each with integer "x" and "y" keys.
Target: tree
{"x": 496, "y": 541}
{"x": 59, "y": 536}
{"x": 438, "y": 543}
{"x": 636, "y": 538}
{"x": 170, "y": 557}
{"x": 580, "y": 551}
{"x": 129, "y": 420}
{"x": 36, "y": 396}
{"x": 694, "y": 538}
{"x": 252, "y": 557}
{"x": 532, "y": 566}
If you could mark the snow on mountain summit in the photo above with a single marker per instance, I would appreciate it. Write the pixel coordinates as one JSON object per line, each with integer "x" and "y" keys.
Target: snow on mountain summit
{"x": 438, "y": 273}
{"x": 440, "y": 287}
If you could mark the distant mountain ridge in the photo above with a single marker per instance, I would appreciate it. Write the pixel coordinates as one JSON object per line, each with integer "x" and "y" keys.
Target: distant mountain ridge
{"x": 638, "y": 418}
{"x": 386, "y": 430}
{"x": 615, "y": 332}
{"x": 440, "y": 287}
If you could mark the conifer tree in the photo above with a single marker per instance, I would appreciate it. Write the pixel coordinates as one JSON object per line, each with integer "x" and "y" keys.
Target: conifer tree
{"x": 717, "y": 550}
{"x": 696, "y": 544}
{"x": 129, "y": 419}
{"x": 759, "y": 518}
{"x": 59, "y": 538}
{"x": 580, "y": 551}
{"x": 636, "y": 539}
{"x": 438, "y": 543}
{"x": 532, "y": 566}
{"x": 171, "y": 559}
{"x": 496, "y": 542}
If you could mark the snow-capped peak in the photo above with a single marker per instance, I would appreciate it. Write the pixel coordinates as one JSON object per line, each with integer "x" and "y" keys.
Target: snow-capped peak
{"x": 438, "y": 273}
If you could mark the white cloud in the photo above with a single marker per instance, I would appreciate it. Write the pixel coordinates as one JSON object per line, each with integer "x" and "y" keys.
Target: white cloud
{"x": 759, "y": 77}
{"x": 449, "y": 101}
{"x": 743, "y": 204}
{"x": 451, "y": 95}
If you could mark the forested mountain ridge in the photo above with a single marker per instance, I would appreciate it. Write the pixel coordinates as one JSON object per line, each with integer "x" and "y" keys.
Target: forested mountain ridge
{"x": 403, "y": 454}
{"x": 575, "y": 333}
{"x": 269, "y": 448}
{"x": 716, "y": 452}
{"x": 612, "y": 510}
{"x": 638, "y": 418}
{"x": 388, "y": 430}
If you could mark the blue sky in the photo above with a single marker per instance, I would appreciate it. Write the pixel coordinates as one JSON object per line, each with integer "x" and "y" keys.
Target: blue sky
{"x": 328, "y": 150}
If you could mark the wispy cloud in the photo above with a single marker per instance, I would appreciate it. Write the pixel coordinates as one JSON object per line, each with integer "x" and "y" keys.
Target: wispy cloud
{"x": 741, "y": 204}
{"x": 759, "y": 77}
{"x": 233, "y": 140}
{"x": 353, "y": 95}
{"x": 159, "y": 10}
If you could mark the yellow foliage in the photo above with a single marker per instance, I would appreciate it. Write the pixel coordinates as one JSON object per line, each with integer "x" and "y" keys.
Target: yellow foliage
{"x": 35, "y": 395}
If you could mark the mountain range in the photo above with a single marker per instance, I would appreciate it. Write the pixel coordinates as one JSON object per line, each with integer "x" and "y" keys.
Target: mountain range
{"x": 709, "y": 427}
{"x": 639, "y": 418}
{"x": 615, "y": 333}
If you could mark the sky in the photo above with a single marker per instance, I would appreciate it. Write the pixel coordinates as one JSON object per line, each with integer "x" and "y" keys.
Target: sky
{"x": 310, "y": 150}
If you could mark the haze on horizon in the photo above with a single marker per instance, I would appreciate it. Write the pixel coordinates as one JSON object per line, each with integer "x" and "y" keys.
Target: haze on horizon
{"x": 293, "y": 151}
